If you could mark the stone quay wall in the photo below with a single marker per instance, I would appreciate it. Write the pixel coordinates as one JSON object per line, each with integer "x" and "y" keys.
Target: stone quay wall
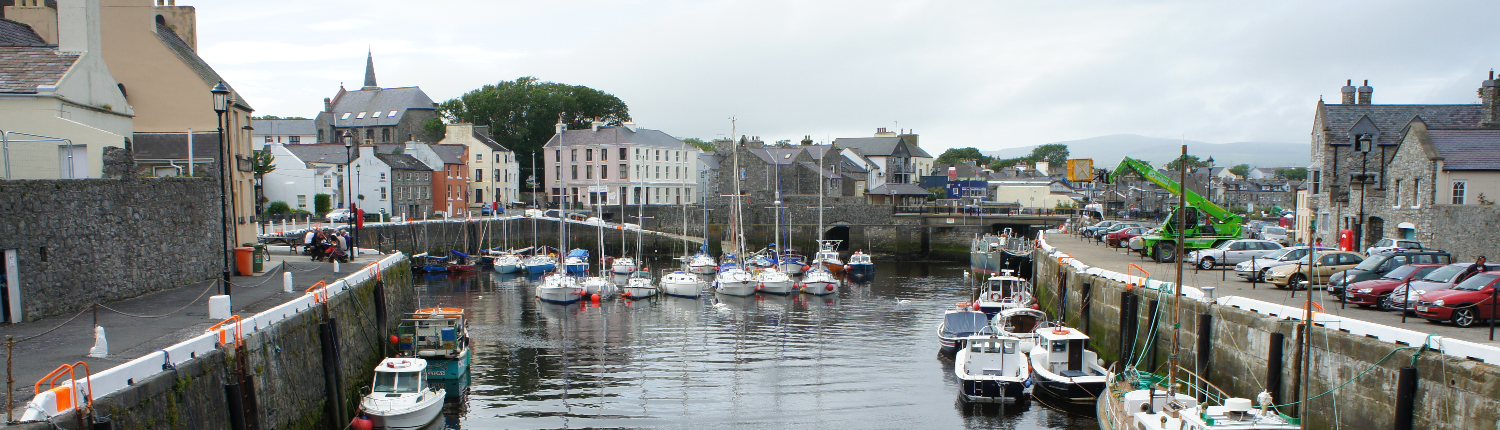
{"x": 1452, "y": 392}
{"x": 82, "y": 241}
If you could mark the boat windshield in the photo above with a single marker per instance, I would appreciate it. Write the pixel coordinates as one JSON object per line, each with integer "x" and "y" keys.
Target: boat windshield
{"x": 1477, "y": 282}
{"x": 962, "y": 323}
{"x": 397, "y": 382}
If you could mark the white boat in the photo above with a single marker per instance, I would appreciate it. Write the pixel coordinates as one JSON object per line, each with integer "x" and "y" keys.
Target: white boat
{"x": 992, "y": 369}
{"x": 400, "y": 397}
{"x": 1004, "y": 291}
{"x": 774, "y": 281}
{"x": 1020, "y": 323}
{"x": 791, "y": 262}
{"x": 828, "y": 256}
{"x": 702, "y": 264}
{"x": 682, "y": 284}
{"x": 734, "y": 280}
{"x": 819, "y": 281}
{"x": 639, "y": 286}
{"x": 602, "y": 286}
{"x": 623, "y": 266}
{"x": 1150, "y": 409}
{"x": 959, "y": 324}
{"x": 559, "y": 288}
{"x": 1062, "y": 368}
{"x": 507, "y": 263}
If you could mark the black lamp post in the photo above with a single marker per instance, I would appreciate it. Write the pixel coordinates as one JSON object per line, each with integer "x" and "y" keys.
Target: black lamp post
{"x": 221, "y": 106}
{"x": 1364, "y": 178}
{"x": 348, "y": 183}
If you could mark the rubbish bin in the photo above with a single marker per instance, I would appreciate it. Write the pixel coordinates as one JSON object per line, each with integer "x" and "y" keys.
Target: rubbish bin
{"x": 242, "y": 259}
{"x": 260, "y": 257}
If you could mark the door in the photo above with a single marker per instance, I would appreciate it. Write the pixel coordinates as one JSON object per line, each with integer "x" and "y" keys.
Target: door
{"x": 10, "y": 294}
{"x": 72, "y": 161}
{"x": 1075, "y": 354}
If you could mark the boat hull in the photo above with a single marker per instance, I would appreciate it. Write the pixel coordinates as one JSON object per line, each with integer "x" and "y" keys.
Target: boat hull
{"x": 1075, "y": 392}
{"x": 682, "y": 289}
{"x": 446, "y": 369}
{"x": 777, "y": 287}
{"x": 637, "y": 293}
{"x": 558, "y": 295}
{"x": 578, "y": 269}
{"x": 793, "y": 269}
{"x": 861, "y": 269}
{"x": 992, "y": 390}
{"x": 507, "y": 268}
{"x": 407, "y": 418}
{"x": 702, "y": 270}
{"x": 836, "y": 268}
{"x": 819, "y": 288}
{"x": 540, "y": 268}
{"x": 735, "y": 288}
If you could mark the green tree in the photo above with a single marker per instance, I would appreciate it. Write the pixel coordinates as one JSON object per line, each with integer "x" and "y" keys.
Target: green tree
{"x": 1192, "y": 162}
{"x": 322, "y": 203}
{"x": 1055, "y": 154}
{"x": 264, "y": 162}
{"x": 701, "y": 144}
{"x": 954, "y": 155}
{"x": 278, "y": 208}
{"x": 1294, "y": 173}
{"x": 1242, "y": 170}
{"x": 521, "y": 113}
{"x": 435, "y": 128}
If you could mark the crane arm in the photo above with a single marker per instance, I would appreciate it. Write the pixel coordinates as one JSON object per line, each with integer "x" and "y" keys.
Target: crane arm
{"x": 1144, "y": 169}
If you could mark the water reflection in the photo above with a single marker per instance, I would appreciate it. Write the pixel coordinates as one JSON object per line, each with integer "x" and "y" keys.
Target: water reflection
{"x": 865, "y": 357}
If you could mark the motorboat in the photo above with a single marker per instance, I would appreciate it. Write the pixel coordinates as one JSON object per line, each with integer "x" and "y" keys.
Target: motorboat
{"x": 992, "y": 369}
{"x": 623, "y": 266}
{"x": 791, "y": 262}
{"x": 1062, "y": 368}
{"x": 818, "y": 281}
{"x": 1123, "y": 407}
{"x": 702, "y": 264}
{"x": 440, "y": 336}
{"x": 639, "y": 286}
{"x": 433, "y": 264}
{"x": 859, "y": 265}
{"x": 959, "y": 324}
{"x": 577, "y": 262}
{"x": 599, "y": 285}
{"x": 559, "y": 288}
{"x": 682, "y": 284}
{"x": 1020, "y": 323}
{"x": 459, "y": 262}
{"x": 772, "y": 281}
{"x": 400, "y": 397}
{"x": 507, "y": 263}
{"x": 540, "y": 263}
{"x": 1004, "y": 291}
{"x": 828, "y": 256}
{"x": 734, "y": 280}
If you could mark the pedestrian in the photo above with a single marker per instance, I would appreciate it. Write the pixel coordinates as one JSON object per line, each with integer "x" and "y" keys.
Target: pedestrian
{"x": 1477, "y": 267}
{"x": 1319, "y": 243}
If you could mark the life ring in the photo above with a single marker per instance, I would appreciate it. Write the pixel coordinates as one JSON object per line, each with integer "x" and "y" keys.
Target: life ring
{"x": 994, "y": 297}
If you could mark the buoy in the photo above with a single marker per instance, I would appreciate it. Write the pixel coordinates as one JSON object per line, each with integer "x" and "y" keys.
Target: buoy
{"x": 361, "y": 423}
{"x": 395, "y": 339}
{"x": 976, "y": 306}
{"x": 594, "y": 298}
{"x": 830, "y": 287}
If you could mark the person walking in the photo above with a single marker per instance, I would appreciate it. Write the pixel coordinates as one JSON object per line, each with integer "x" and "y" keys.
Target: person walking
{"x": 1319, "y": 243}
{"x": 1477, "y": 267}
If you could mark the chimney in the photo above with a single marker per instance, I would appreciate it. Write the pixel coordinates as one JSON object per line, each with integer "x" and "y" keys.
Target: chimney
{"x": 1489, "y": 102}
{"x": 327, "y": 104}
{"x": 560, "y": 127}
{"x": 882, "y": 132}
{"x": 78, "y": 26}
{"x": 460, "y": 130}
{"x": 630, "y": 125}
{"x": 1364, "y": 93}
{"x": 1348, "y": 92}
{"x": 595, "y": 124}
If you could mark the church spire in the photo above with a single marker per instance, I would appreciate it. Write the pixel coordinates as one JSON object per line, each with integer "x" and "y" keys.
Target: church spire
{"x": 370, "y": 72}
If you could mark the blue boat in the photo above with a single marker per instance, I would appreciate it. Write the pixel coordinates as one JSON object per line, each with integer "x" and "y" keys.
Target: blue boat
{"x": 433, "y": 264}
{"x": 577, "y": 262}
{"x": 440, "y": 336}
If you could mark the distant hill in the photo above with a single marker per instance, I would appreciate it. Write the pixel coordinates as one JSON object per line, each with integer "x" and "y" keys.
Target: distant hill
{"x": 1107, "y": 151}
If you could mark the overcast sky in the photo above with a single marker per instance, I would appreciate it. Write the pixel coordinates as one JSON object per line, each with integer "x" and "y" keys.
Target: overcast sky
{"x": 989, "y": 74}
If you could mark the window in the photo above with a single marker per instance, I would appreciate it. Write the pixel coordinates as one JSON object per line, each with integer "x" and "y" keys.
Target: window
{"x": 478, "y": 175}
{"x": 603, "y": 154}
{"x": 603, "y": 171}
{"x": 622, "y": 154}
{"x": 588, "y": 172}
{"x": 497, "y": 157}
{"x": 622, "y": 171}
{"x": 382, "y": 176}
{"x": 658, "y": 155}
{"x": 575, "y": 172}
{"x": 497, "y": 178}
{"x": 558, "y": 175}
{"x": 478, "y": 158}
{"x": 1458, "y": 191}
{"x": 294, "y": 139}
{"x": 1416, "y": 192}
{"x": 478, "y": 196}
{"x": 658, "y": 172}
{"x": 268, "y": 139}
{"x": 320, "y": 136}
{"x": 588, "y": 154}
{"x": 302, "y": 201}
{"x": 1317, "y": 181}
{"x": 393, "y": 113}
{"x": 327, "y": 182}
{"x": 370, "y": 133}
{"x": 557, "y": 155}
{"x": 574, "y": 155}
{"x": 382, "y": 193}
{"x": 742, "y": 173}
{"x": 360, "y": 116}
{"x": 346, "y": 115}
{"x": 1396, "y": 191}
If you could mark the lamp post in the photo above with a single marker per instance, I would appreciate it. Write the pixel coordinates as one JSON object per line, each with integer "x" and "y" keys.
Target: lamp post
{"x": 348, "y": 183}
{"x": 1364, "y": 178}
{"x": 221, "y": 106}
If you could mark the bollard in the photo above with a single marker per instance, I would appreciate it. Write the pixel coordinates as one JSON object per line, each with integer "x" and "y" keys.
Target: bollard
{"x": 1274, "y": 364}
{"x": 1406, "y": 397}
{"x": 286, "y": 281}
{"x": 101, "y": 345}
{"x": 335, "y": 266}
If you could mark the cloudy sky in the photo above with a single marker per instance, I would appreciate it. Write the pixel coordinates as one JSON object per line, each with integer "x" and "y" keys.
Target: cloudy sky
{"x": 990, "y": 74}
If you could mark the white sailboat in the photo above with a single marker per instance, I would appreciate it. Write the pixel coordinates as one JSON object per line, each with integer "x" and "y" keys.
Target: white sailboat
{"x": 558, "y": 287}
{"x": 819, "y": 279}
{"x": 600, "y": 284}
{"x": 732, "y": 278}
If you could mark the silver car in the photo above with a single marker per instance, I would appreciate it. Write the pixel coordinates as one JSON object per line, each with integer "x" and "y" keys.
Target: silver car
{"x": 1232, "y": 252}
{"x": 1388, "y": 245}
{"x": 1255, "y": 269}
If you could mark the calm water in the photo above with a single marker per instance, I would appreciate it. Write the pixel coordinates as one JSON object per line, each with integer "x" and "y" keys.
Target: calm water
{"x": 866, "y": 357}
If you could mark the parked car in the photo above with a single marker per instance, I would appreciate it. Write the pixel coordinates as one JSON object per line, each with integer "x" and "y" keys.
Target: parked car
{"x": 338, "y": 215}
{"x": 1093, "y": 230}
{"x": 1274, "y": 234}
{"x": 1465, "y": 303}
{"x": 1378, "y": 265}
{"x": 1104, "y": 233}
{"x": 1232, "y": 252}
{"x": 1373, "y": 292}
{"x": 1406, "y": 295}
{"x": 1255, "y": 269}
{"x": 488, "y": 209}
{"x": 1387, "y": 245}
{"x": 1119, "y": 238}
{"x": 1326, "y": 263}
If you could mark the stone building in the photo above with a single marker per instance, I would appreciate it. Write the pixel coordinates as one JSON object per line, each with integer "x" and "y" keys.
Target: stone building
{"x": 375, "y": 114}
{"x": 895, "y": 158}
{"x": 1411, "y": 171}
{"x": 604, "y": 163}
{"x": 790, "y": 170}
{"x": 1259, "y": 194}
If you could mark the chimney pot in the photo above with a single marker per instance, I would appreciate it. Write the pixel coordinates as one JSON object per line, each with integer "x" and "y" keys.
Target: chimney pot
{"x": 1364, "y": 93}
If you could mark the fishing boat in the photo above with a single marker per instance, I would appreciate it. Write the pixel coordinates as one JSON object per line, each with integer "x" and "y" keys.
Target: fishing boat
{"x": 818, "y": 281}
{"x": 791, "y": 262}
{"x": 732, "y": 279}
{"x": 639, "y": 286}
{"x": 828, "y": 256}
{"x": 992, "y": 369}
{"x": 702, "y": 263}
{"x": 859, "y": 265}
{"x": 440, "y": 336}
{"x": 959, "y": 324}
{"x": 1020, "y": 323}
{"x": 577, "y": 263}
{"x": 1062, "y": 368}
{"x": 400, "y": 397}
{"x": 679, "y": 283}
{"x": 1002, "y": 292}
{"x": 772, "y": 281}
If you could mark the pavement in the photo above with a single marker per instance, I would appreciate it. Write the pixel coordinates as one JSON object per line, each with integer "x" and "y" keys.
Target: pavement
{"x": 141, "y": 325}
{"x": 1226, "y": 283}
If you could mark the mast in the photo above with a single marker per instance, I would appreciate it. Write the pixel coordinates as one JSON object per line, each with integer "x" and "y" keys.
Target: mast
{"x": 735, "y": 222}
{"x": 776, "y": 232}
{"x": 1177, "y": 283}
{"x": 685, "y": 252}
{"x": 535, "y": 201}
{"x": 562, "y": 209}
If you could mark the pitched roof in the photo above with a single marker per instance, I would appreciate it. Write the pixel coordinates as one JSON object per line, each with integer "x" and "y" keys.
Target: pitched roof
{"x": 193, "y": 61}
{"x": 376, "y": 106}
{"x": 330, "y": 153}
{"x": 17, "y": 34}
{"x": 174, "y": 145}
{"x": 615, "y": 135}
{"x": 899, "y": 190}
{"x": 482, "y": 134}
{"x": 1467, "y": 149}
{"x": 710, "y": 160}
{"x": 451, "y": 154}
{"x": 1391, "y": 119}
{"x": 402, "y": 162}
{"x": 879, "y": 146}
{"x": 819, "y": 170}
{"x": 23, "y": 68}
{"x": 278, "y": 127}
{"x": 782, "y": 156}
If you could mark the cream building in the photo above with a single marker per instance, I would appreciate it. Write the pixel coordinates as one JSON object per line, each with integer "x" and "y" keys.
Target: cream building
{"x": 604, "y": 163}
{"x": 495, "y": 169}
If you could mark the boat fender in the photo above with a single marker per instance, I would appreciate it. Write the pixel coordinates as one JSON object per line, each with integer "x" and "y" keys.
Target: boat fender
{"x": 361, "y": 423}
{"x": 758, "y": 287}
{"x": 594, "y": 298}
{"x": 830, "y": 287}
{"x": 395, "y": 339}
{"x": 976, "y": 306}
{"x": 627, "y": 294}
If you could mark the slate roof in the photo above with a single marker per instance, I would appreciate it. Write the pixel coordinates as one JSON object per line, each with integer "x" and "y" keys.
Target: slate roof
{"x": 482, "y": 134}
{"x": 451, "y": 154}
{"x": 819, "y": 170}
{"x": 174, "y": 145}
{"x": 878, "y": 146}
{"x": 23, "y": 68}
{"x": 710, "y": 161}
{"x": 284, "y": 127}
{"x": 193, "y": 61}
{"x": 899, "y": 190}
{"x": 17, "y": 34}
{"x": 402, "y": 162}
{"x": 1467, "y": 149}
{"x": 378, "y": 100}
{"x": 330, "y": 153}
{"x": 617, "y": 135}
{"x": 1392, "y": 119}
{"x": 782, "y": 156}
{"x": 817, "y": 151}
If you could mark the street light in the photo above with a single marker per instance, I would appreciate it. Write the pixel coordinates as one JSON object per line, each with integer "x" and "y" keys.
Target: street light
{"x": 348, "y": 185}
{"x": 221, "y": 106}
{"x": 1364, "y": 142}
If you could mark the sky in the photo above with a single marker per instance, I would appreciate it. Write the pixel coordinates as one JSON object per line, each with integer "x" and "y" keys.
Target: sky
{"x": 987, "y": 74}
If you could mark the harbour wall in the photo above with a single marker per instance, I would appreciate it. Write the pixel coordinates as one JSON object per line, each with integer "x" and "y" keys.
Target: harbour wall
{"x": 183, "y": 386}
{"x": 1458, "y": 383}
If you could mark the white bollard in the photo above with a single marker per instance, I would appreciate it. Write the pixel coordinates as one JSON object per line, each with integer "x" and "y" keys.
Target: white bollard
{"x": 335, "y": 266}
{"x": 218, "y": 307}
{"x": 286, "y": 282}
{"x": 101, "y": 346}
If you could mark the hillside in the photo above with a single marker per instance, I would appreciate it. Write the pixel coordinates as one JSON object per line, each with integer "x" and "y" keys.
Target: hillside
{"x": 1108, "y": 150}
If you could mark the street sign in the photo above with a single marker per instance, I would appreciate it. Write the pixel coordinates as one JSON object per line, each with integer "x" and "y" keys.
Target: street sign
{"x": 1081, "y": 169}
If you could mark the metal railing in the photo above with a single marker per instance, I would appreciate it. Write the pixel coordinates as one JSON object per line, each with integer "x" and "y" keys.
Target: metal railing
{"x": 5, "y": 141}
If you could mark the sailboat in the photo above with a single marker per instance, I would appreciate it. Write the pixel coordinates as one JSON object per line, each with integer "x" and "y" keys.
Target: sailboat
{"x": 732, "y": 278}
{"x": 623, "y": 265}
{"x": 508, "y": 261}
{"x": 558, "y": 287}
{"x": 600, "y": 284}
{"x": 540, "y": 260}
{"x": 819, "y": 279}
{"x": 701, "y": 263}
{"x": 682, "y": 283}
{"x": 772, "y": 280}
{"x": 1135, "y": 399}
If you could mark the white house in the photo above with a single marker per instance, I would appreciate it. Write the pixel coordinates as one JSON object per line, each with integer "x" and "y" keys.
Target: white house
{"x": 893, "y": 158}
{"x": 283, "y": 131}
{"x": 599, "y": 165}
{"x": 298, "y": 179}
{"x": 1032, "y": 193}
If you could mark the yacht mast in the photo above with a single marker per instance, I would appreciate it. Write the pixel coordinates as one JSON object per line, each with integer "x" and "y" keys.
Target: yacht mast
{"x": 562, "y": 209}
{"x": 1177, "y": 283}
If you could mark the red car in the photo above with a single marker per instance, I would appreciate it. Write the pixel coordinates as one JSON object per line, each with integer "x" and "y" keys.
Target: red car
{"x": 1464, "y": 304}
{"x": 1374, "y": 291}
{"x": 1122, "y": 237}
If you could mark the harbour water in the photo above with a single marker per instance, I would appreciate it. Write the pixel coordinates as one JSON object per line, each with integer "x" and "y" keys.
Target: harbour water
{"x": 866, "y": 357}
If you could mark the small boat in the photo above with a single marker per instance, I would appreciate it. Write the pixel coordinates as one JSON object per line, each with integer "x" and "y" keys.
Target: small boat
{"x": 459, "y": 262}
{"x": 538, "y": 264}
{"x": 733, "y": 279}
{"x": 1004, "y": 292}
{"x": 507, "y": 263}
{"x": 760, "y": 261}
{"x": 599, "y": 285}
{"x": 440, "y": 336}
{"x": 791, "y": 262}
{"x": 623, "y": 266}
{"x": 559, "y": 288}
{"x": 992, "y": 369}
{"x": 1020, "y": 323}
{"x": 772, "y": 281}
{"x": 433, "y": 264}
{"x": 639, "y": 286}
{"x": 860, "y": 265}
{"x": 819, "y": 281}
{"x": 702, "y": 264}
{"x": 1061, "y": 367}
{"x": 400, "y": 397}
{"x": 682, "y": 284}
{"x": 959, "y": 324}
{"x": 577, "y": 262}
{"x": 828, "y": 256}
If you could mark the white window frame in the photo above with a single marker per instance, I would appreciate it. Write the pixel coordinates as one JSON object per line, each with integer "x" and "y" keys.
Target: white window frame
{"x": 1460, "y": 191}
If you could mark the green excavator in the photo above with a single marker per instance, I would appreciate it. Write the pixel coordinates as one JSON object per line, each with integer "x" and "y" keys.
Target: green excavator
{"x": 1208, "y": 225}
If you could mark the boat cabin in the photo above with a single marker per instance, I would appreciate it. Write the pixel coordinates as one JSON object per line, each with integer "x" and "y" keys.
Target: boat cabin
{"x": 994, "y": 356}
{"x": 395, "y": 377}
{"x": 433, "y": 333}
{"x": 860, "y": 258}
{"x": 1064, "y": 353}
{"x": 964, "y": 322}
